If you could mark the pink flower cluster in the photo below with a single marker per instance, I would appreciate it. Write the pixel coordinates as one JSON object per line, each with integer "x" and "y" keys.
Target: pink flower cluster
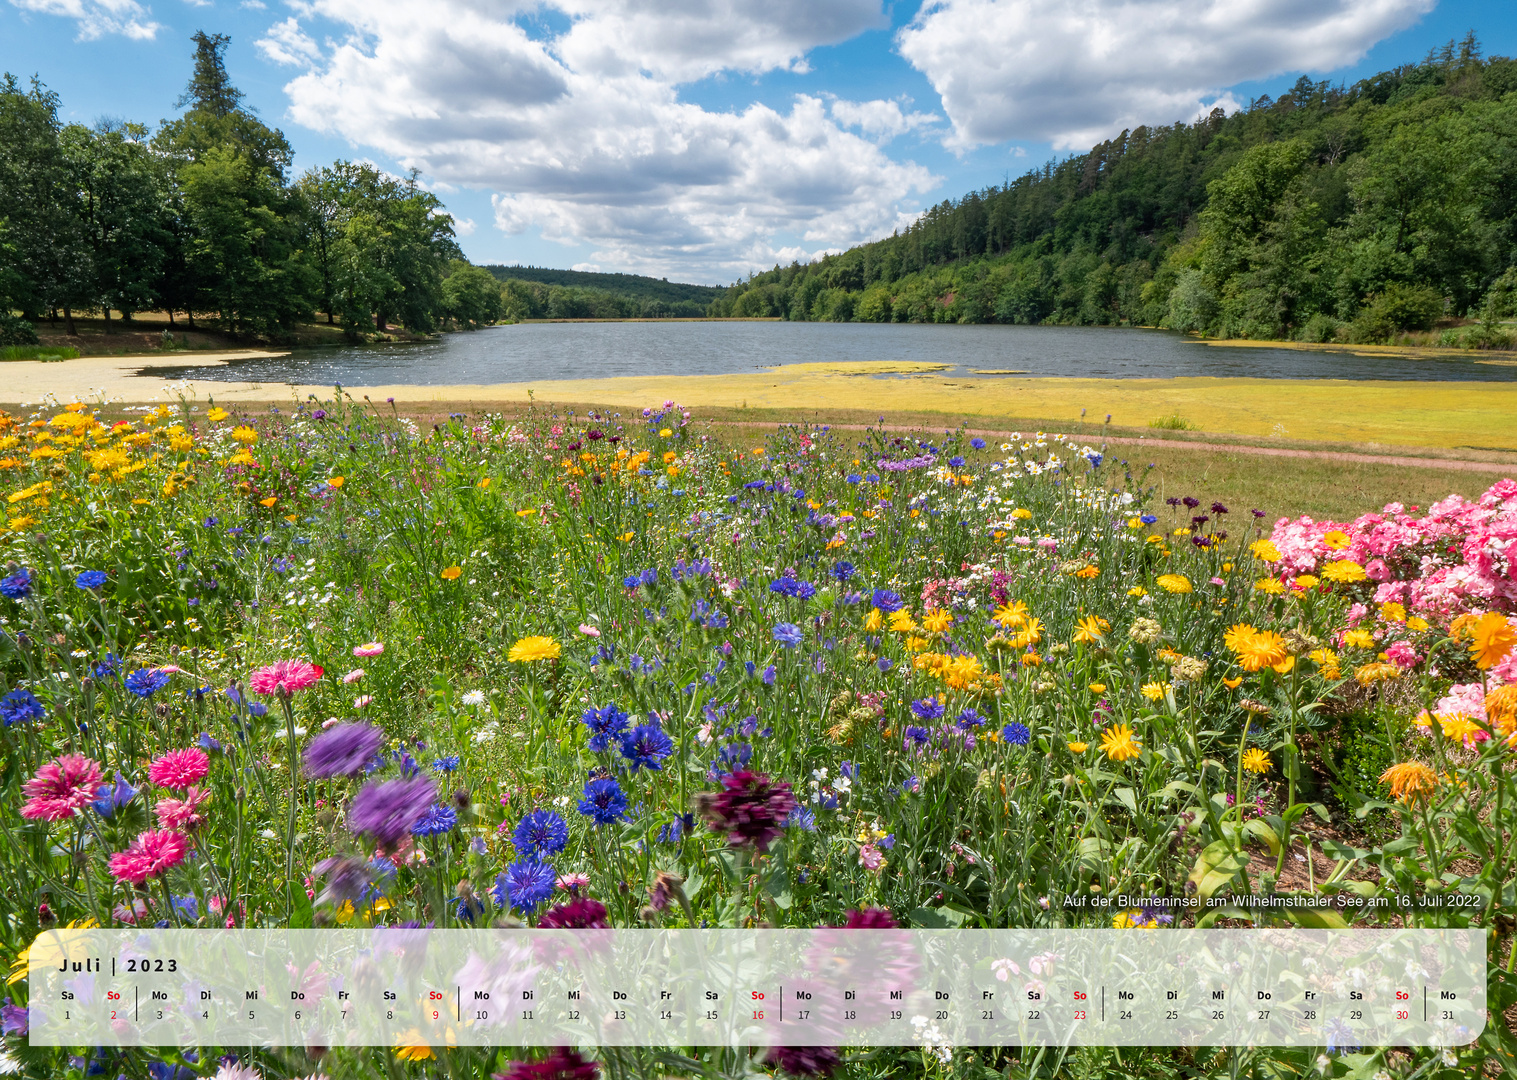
{"x": 1459, "y": 556}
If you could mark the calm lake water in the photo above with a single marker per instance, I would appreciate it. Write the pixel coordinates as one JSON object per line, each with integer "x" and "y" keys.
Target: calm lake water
{"x": 532, "y": 351}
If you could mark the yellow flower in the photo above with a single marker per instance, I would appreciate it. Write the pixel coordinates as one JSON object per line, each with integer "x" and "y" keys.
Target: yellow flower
{"x": 270, "y": 501}
{"x": 902, "y": 622}
{"x": 335, "y": 481}
{"x": 1012, "y": 613}
{"x": 1137, "y": 590}
{"x": 1098, "y": 688}
{"x": 1031, "y": 659}
{"x": 530, "y": 649}
{"x": 1265, "y": 551}
{"x": 1337, "y": 539}
{"x": 1307, "y": 581}
{"x": 1076, "y": 747}
{"x": 1174, "y": 583}
{"x": 1236, "y": 635}
{"x": 1232, "y": 684}
{"x": 245, "y": 435}
{"x": 1088, "y": 572}
{"x": 1256, "y": 760}
{"x": 874, "y": 620}
{"x": 1090, "y": 630}
{"x": 1369, "y": 674}
{"x": 1417, "y": 622}
{"x": 1410, "y": 781}
{"x": 1344, "y": 571}
{"x": 1491, "y": 639}
{"x": 937, "y": 620}
{"x": 626, "y": 537}
{"x": 451, "y": 573}
{"x": 1021, "y": 513}
{"x": 1262, "y": 649}
{"x": 1119, "y": 745}
{"x": 1153, "y": 691}
{"x": 1030, "y": 634}
{"x": 665, "y": 433}
{"x": 409, "y": 1047}
{"x": 1269, "y": 585}
{"x": 1327, "y": 661}
{"x": 1359, "y": 639}
{"x": 485, "y": 482}
{"x": 1392, "y": 612}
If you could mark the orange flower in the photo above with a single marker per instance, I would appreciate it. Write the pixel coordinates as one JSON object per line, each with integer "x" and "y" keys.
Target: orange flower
{"x": 1090, "y": 630}
{"x": 1262, "y": 649}
{"x": 451, "y": 573}
{"x": 1491, "y": 639}
{"x": 1410, "y": 781}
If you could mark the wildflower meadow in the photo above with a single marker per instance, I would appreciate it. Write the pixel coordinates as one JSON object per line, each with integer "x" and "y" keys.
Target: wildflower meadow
{"x": 324, "y": 667}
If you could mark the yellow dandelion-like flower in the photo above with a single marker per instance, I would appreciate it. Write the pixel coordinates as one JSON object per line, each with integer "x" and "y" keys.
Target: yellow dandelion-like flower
{"x": 1098, "y": 688}
{"x": 1154, "y": 691}
{"x": 1090, "y": 630}
{"x": 1119, "y": 744}
{"x": 1261, "y": 649}
{"x": 1410, "y": 781}
{"x": 1418, "y": 623}
{"x": 1344, "y": 571}
{"x": 1077, "y": 747}
{"x": 1013, "y": 613}
{"x": 245, "y": 435}
{"x": 874, "y": 620}
{"x": 1236, "y": 635}
{"x": 409, "y": 1047}
{"x": 1307, "y": 581}
{"x": 1138, "y": 591}
{"x": 901, "y": 622}
{"x": 1265, "y": 551}
{"x": 1174, "y": 583}
{"x": 1369, "y": 674}
{"x": 1392, "y": 612}
{"x": 528, "y": 650}
{"x": 1270, "y": 586}
{"x": 452, "y": 573}
{"x": 336, "y": 481}
{"x": 1256, "y": 760}
{"x": 1030, "y": 634}
{"x": 1491, "y": 639}
{"x": 1021, "y": 513}
{"x": 937, "y": 620}
{"x": 1359, "y": 639}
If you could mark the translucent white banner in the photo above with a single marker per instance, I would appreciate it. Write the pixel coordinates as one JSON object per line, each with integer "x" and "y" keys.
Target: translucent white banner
{"x": 757, "y": 987}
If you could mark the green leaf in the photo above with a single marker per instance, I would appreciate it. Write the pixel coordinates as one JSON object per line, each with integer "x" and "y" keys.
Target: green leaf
{"x": 1257, "y": 827}
{"x": 1315, "y": 918}
{"x": 943, "y": 918}
{"x": 1127, "y": 797}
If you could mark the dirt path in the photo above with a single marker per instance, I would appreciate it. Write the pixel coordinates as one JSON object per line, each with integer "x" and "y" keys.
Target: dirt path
{"x": 1258, "y": 451}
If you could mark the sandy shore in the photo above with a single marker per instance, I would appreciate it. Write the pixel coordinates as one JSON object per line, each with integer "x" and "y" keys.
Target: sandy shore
{"x": 1441, "y": 414}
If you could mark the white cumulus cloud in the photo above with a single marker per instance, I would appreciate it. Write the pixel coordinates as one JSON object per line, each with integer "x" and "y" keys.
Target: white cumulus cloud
{"x": 287, "y": 43}
{"x": 97, "y": 18}
{"x": 1074, "y": 73}
{"x": 583, "y": 135}
{"x": 882, "y": 119}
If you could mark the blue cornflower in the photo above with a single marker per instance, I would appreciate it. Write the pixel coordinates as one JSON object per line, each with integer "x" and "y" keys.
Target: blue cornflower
{"x": 928, "y": 708}
{"x": 969, "y": 719}
{"x": 542, "y": 832}
{"x": 1095, "y": 460}
{"x": 107, "y": 665}
{"x": 1147, "y": 519}
{"x": 19, "y": 706}
{"x": 887, "y": 601}
{"x": 676, "y": 829}
{"x": 145, "y": 682}
{"x": 603, "y": 801}
{"x": 852, "y": 478}
{"x": 785, "y": 586}
{"x": 605, "y": 724}
{"x": 446, "y": 764}
{"x": 843, "y": 570}
{"x": 470, "y": 908}
{"x": 91, "y": 579}
{"x": 977, "y": 442}
{"x": 918, "y": 735}
{"x": 800, "y": 818}
{"x": 769, "y": 675}
{"x": 788, "y": 634}
{"x": 631, "y": 581}
{"x": 209, "y": 743}
{"x": 884, "y": 663}
{"x": 524, "y": 885}
{"x": 439, "y": 818}
{"x": 956, "y": 462}
{"x": 1016, "y": 734}
{"x": 804, "y": 590}
{"x": 187, "y": 907}
{"x": 112, "y": 797}
{"x": 645, "y": 746}
{"x": 17, "y": 586}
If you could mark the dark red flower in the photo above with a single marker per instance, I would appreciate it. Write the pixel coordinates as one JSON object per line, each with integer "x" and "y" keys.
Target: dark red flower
{"x": 805, "y": 1060}
{"x": 562, "y": 1064}
{"x": 581, "y": 913}
{"x": 870, "y": 919}
{"x": 751, "y": 809}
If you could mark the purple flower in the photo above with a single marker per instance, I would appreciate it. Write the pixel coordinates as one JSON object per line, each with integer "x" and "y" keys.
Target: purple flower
{"x": 386, "y": 811}
{"x": 928, "y": 708}
{"x": 969, "y": 719}
{"x": 562, "y": 1064}
{"x": 917, "y": 735}
{"x": 645, "y": 746}
{"x": 804, "y": 1060}
{"x": 605, "y": 724}
{"x": 542, "y": 832}
{"x": 342, "y": 750}
{"x": 603, "y": 801}
{"x": 524, "y": 885}
{"x": 14, "y": 1019}
{"x": 751, "y": 809}
{"x": 347, "y": 878}
{"x": 788, "y": 634}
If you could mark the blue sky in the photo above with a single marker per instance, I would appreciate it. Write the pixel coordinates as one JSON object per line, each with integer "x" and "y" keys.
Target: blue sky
{"x": 699, "y": 139}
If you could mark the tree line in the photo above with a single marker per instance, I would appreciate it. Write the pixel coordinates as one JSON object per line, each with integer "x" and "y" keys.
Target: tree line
{"x": 202, "y": 219}
{"x": 1332, "y": 213}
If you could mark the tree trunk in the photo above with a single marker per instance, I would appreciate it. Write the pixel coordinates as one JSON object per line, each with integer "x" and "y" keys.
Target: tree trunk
{"x": 329, "y": 319}
{"x": 107, "y": 310}
{"x": 52, "y": 316}
{"x": 171, "y": 316}
{"x": 68, "y": 321}
{"x": 379, "y": 321}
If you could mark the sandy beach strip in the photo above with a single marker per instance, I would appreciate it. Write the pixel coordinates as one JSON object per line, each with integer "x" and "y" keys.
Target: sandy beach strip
{"x": 1454, "y": 415}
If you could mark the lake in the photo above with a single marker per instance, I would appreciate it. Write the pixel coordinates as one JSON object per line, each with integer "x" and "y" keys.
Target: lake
{"x": 588, "y": 350}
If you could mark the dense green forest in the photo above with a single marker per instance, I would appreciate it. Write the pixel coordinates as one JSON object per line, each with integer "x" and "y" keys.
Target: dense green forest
{"x": 1353, "y": 213}
{"x": 201, "y": 218}
{"x": 571, "y": 294}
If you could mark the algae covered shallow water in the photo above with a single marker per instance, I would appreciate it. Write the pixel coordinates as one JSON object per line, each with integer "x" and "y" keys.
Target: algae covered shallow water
{"x": 597, "y": 350}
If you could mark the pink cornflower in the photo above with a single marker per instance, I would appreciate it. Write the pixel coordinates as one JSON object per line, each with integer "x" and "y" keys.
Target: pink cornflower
{"x": 284, "y": 677}
{"x": 588, "y": 630}
{"x": 371, "y": 648}
{"x": 363, "y": 701}
{"x": 871, "y": 858}
{"x": 61, "y": 788}
{"x": 179, "y": 769}
{"x": 182, "y": 815}
{"x": 573, "y": 883}
{"x": 153, "y": 852}
{"x": 353, "y": 676}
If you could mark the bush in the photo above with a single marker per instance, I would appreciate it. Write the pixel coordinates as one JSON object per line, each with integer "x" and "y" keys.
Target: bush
{"x": 1174, "y": 422}
{"x": 1320, "y": 328}
{"x": 1192, "y": 305}
{"x": 1395, "y": 308}
{"x": 14, "y": 331}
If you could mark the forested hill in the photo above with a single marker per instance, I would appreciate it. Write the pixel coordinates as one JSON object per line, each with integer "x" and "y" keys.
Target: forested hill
{"x": 631, "y": 285}
{"x": 1349, "y": 212}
